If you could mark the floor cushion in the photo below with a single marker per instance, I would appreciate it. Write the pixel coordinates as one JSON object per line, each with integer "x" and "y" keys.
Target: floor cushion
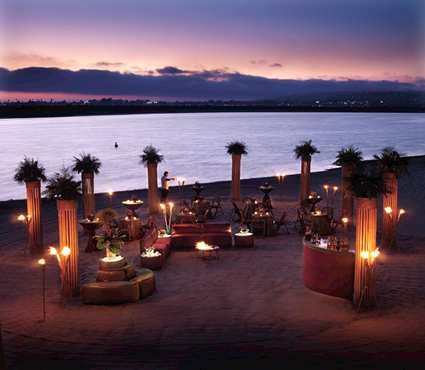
{"x": 114, "y": 292}
{"x": 146, "y": 282}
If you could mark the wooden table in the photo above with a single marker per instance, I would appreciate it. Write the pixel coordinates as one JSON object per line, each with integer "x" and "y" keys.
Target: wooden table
{"x": 262, "y": 224}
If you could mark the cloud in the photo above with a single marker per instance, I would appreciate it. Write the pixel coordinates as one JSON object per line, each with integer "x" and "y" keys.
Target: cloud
{"x": 109, "y": 64}
{"x": 169, "y": 70}
{"x": 260, "y": 62}
{"x": 275, "y": 65}
{"x": 199, "y": 85}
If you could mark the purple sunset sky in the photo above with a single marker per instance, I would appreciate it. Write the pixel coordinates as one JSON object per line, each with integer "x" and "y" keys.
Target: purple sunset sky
{"x": 275, "y": 39}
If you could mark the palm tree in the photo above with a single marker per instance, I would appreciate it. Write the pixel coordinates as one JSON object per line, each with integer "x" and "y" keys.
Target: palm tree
{"x": 150, "y": 159}
{"x": 366, "y": 188}
{"x": 304, "y": 151}
{"x": 392, "y": 165}
{"x": 236, "y": 149}
{"x": 348, "y": 159}
{"x": 88, "y": 166}
{"x": 65, "y": 190}
{"x": 32, "y": 174}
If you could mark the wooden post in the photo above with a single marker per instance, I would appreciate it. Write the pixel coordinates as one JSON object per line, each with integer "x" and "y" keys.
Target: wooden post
{"x": 366, "y": 220}
{"x": 153, "y": 198}
{"x": 305, "y": 180}
{"x": 236, "y": 176}
{"x": 347, "y": 200}
{"x": 87, "y": 180}
{"x": 35, "y": 231}
{"x": 68, "y": 236}
{"x": 389, "y": 220}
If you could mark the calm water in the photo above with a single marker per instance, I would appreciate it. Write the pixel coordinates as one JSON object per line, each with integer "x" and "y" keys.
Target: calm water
{"x": 193, "y": 144}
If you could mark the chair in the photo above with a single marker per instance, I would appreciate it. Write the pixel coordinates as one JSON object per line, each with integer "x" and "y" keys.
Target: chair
{"x": 236, "y": 213}
{"x": 283, "y": 222}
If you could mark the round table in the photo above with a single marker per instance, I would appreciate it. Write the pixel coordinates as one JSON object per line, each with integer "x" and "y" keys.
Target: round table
{"x": 244, "y": 240}
{"x": 90, "y": 227}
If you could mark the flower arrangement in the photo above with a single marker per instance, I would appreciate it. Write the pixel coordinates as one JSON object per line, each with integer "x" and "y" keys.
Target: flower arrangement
{"x": 111, "y": 241}
{"x": 150, "y": 252}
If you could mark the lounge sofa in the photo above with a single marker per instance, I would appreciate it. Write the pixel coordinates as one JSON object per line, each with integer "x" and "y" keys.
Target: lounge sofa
{"x": 186, "y": 236}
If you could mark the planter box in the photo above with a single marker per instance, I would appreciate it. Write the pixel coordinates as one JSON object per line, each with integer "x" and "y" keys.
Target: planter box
{"x": 152, "y": 263}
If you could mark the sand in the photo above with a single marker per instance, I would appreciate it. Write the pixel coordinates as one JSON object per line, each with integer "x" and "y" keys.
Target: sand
{"x": 247, "y": 310}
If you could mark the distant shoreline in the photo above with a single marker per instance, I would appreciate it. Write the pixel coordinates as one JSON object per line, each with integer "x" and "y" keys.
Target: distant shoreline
{"x": 71, "y": 110}
{"x": 245, "y": 182}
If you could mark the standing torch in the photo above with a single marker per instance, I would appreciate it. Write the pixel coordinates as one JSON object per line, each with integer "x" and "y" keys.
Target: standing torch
{"x": 42, "y": 264}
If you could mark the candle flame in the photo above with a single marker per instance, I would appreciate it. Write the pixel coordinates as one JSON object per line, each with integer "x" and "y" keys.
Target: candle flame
{"x": 66, "y": 251}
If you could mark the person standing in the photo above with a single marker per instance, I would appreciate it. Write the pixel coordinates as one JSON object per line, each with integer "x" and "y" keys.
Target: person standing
{"x": 165, "y": 186}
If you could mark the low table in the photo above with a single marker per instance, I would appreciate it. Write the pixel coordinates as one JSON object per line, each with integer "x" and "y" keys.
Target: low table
{"x": 209, "y": 253}
{"x": 244, "y": 240}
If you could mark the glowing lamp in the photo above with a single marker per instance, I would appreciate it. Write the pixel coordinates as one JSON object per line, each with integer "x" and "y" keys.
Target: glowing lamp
{"x": 41, "y": 261}
{"x": 326, "y": 187}
{"x": 66, "y": 251}
{"x": 388, "y": 210}
{"x": 110, "y": 192}
{"x": 22, "y": 218}
{"x": 364, "y": 255}
{"x": 53, "y": 251}
{"x": 335, "y": 188}
{"x": 344, "y": 220}
{"x": 401, "y": 211}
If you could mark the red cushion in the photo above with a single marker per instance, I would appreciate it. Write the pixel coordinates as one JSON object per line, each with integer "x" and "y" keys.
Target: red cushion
{"x": 217, "y": 228}
{"x": 187, "y": 228}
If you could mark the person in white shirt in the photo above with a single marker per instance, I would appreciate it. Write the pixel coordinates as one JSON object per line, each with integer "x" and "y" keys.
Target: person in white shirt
{"x": 165, "y": 186}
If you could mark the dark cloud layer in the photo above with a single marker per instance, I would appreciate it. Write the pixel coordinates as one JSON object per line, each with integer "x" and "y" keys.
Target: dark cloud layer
{"x": 175, "y": 83}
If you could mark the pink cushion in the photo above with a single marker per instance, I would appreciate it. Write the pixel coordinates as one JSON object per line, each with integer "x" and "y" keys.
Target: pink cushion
{"x": 187, "y": 228}
{"x": 216, "y": 228}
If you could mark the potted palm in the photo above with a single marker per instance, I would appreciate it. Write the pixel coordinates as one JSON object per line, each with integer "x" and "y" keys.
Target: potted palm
{"x": 348, "y": 159}
{"x": 305, "y": 151}
{"x": 63, "y": 188}
{"x": 31, "y": 173}
{"x": 392, "y": 165}
{"x": 236, "y": 149}
{"x": 366, "y": 187}
{"x": 112, "y": 240}
{"x": 88, "y": 166}
{"x": 150, "y": 159}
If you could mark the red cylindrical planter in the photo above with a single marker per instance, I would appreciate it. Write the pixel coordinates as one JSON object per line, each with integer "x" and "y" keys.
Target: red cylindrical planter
{"x": 35, "y": 231}
{"x": 366, "y": 221}
{"x": 153, "y": 198}
{"x": 68, "y": 236}
{"x": 236, "y": 176}
{"x": 305, "y": 179}
{"x": 389, "y": 221}
{"x": 87, "y": 181}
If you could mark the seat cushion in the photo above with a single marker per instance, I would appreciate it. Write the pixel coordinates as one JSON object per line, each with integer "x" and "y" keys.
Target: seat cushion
{"x": 187, "y": 228}
{"x": 181, "y": 241}
{"x": 163, "y": 245}
{"x": 146, "y": 282}
{"x": 217, "y": 228}
{"x": 112, "y": 275}
{"x": 114, "y": 292}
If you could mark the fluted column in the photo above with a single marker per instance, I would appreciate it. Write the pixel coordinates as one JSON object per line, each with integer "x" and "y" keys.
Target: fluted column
{"x": 366, "y": 220}
{"x": 68, "y": 236}
{"x": 153, "y": 198}
{"x": 347, "y": 200}
{"x": 88, "y": 193}
{"x": 389, "y": 220}
{"x": 305, "y": 180}
{"x": 236, "y": 176}
{"x": 35, "y": 231}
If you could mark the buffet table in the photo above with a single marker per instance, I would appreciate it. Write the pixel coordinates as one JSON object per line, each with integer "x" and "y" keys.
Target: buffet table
{"x": 329, "y": 271}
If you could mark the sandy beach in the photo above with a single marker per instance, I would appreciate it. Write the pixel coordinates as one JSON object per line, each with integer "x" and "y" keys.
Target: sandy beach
{"x": 248, "y": 310}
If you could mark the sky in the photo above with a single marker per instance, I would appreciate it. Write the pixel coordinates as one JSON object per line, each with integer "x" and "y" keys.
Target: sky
{"x": 272, "y": 39}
